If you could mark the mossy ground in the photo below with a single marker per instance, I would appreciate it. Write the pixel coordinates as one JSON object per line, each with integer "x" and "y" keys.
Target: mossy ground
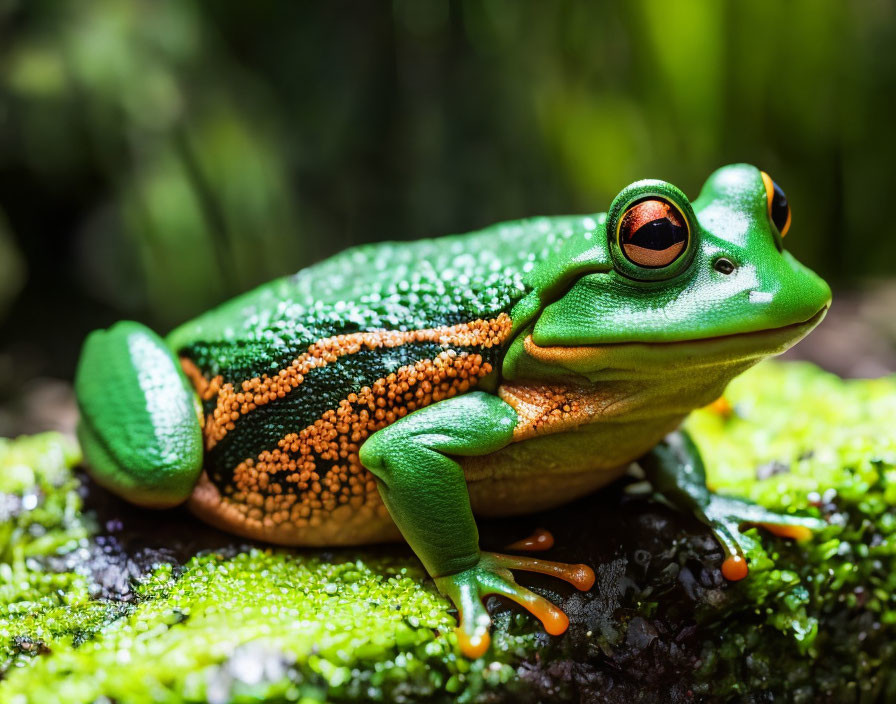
{"x": 233, "y": 623}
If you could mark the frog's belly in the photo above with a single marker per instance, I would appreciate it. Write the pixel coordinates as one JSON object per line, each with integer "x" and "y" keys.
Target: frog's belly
{"x": 546, "y": 471}
{"x": 527, "y": 476}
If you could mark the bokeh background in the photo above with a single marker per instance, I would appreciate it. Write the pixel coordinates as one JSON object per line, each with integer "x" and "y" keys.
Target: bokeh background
{"x": 159, "y": 157}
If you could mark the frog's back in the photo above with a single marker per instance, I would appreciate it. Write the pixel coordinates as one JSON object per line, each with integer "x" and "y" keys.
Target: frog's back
{"x": 296, "y": 374}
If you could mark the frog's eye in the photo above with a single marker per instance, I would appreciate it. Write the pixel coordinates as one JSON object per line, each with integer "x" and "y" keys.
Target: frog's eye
{"x": 653, "y": 233}
{"x": 778, "y": 207}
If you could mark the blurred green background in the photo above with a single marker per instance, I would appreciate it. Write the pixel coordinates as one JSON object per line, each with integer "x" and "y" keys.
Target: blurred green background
{"x": 158, "y": 157}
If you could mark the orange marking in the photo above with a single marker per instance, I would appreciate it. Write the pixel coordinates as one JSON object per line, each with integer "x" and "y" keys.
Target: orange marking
{"x": 259, "y": 391}
{"x": 538, "y": 407}
{"x": 206, "y": 388}
{"x": 769, "y": 197}
{"x": 545, "y": 408}
{"x": 784, "y": 531}
{"x": 721, "y": 407}
{"x": 769, "y": 191}
{"x": 289, "y": 485}
{"x": 540, "y": 540}
{"x": 735, "y": 568}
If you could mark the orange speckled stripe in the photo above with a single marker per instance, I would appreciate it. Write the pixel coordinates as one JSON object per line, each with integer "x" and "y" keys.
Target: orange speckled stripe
{"x": 204, "y": 387}
{"x": 289, "y": 485}
{"x": 259, "y": 391}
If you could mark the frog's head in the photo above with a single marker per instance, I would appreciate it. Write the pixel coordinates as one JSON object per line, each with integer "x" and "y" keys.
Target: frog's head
{"x": 708, "y": 284}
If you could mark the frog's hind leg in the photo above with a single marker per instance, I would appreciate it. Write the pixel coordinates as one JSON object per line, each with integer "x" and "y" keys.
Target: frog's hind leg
{"x": 141, "y": 422}
{"x": 677, "y": 473}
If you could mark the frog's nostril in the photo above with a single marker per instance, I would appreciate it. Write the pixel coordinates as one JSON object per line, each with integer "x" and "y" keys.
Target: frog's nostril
{"x": 724, "y": 266}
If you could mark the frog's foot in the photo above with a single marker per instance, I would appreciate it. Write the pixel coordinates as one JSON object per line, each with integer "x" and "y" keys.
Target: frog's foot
{"x": 539, "y": 541}
{"x": 726, "y": 515}
{"x": 491, "y": 575}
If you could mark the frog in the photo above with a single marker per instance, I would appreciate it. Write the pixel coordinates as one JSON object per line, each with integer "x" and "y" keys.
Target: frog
{"x": 398, "y": 390}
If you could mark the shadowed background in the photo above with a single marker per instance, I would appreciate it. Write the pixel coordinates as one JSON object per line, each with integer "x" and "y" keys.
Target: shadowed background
{"x": 157, "y": 158}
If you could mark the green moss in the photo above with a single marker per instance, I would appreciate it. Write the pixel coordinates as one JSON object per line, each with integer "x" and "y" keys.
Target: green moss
{"x": 257, "y": 625}
{"x": 803, "y": 439}
{"x": 265, "y": 624}
{"x": 278, "y": 625}
{"x": 41, "y": 518}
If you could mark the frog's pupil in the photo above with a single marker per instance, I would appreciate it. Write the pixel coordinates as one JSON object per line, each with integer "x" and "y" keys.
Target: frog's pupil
{"x": 779, "y": 207}
{"x": 658, "y": 235}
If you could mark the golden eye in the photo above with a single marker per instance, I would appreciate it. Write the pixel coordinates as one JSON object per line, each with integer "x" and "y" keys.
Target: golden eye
{"x": 653, "y": 233}
{"x": 778, "y": 207}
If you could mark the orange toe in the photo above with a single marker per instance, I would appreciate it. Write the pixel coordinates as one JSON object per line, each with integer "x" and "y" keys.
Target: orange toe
{"x": 472, "y": 646}
{"x": 784, "y": 531}
{"x": 580, "y": 576}
{"x": 735, "y": 568}
{"x": 540, "y": 540}
{"x": 554, "y": 621}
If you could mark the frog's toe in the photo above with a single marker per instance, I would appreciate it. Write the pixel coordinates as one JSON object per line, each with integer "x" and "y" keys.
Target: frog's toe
{"x": 726, "y": 516}
{"x": 579, "y": 575}
{"x": 473, "y": 620}
{"x": 539, "y": 541}
{"x": 491, "y": 576}
{"x": 552, "y": 618}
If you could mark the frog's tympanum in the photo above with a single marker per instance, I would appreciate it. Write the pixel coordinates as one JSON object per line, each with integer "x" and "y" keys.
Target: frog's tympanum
{"x": 398, "y": 389}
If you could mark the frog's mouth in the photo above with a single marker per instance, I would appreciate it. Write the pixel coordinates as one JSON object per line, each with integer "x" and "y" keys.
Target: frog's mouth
{"x": 599, "y": 362}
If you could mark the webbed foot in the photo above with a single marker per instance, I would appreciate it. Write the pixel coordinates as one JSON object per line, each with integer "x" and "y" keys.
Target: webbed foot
{"x": 726, "y": 516}
{"x": 491, "y": 575}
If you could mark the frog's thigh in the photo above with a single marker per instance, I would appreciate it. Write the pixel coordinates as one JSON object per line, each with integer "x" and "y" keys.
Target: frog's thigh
{"x": 421, "y": 482}
{"x": 542, "y": 472}
{"x": 140, "y": 418}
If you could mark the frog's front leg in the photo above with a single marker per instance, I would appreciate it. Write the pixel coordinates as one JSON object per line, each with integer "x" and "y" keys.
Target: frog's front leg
{"x": 426, "y": 494}
{"x": 676, "y": 470}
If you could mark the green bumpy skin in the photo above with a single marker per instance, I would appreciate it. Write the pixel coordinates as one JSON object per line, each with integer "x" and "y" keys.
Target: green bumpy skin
{"x": 140, "y": 418}
{"x": 403, "y": 387}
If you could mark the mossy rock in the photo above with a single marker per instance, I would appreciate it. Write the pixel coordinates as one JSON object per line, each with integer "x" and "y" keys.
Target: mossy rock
{"x": 102, "y": 602}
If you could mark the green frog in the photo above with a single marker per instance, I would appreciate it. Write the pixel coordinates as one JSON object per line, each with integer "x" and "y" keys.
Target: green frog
{"x": 396, "y": 390}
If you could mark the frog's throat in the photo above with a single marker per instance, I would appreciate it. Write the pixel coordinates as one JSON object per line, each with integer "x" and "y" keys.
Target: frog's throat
{"x": 626, "y": 360}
